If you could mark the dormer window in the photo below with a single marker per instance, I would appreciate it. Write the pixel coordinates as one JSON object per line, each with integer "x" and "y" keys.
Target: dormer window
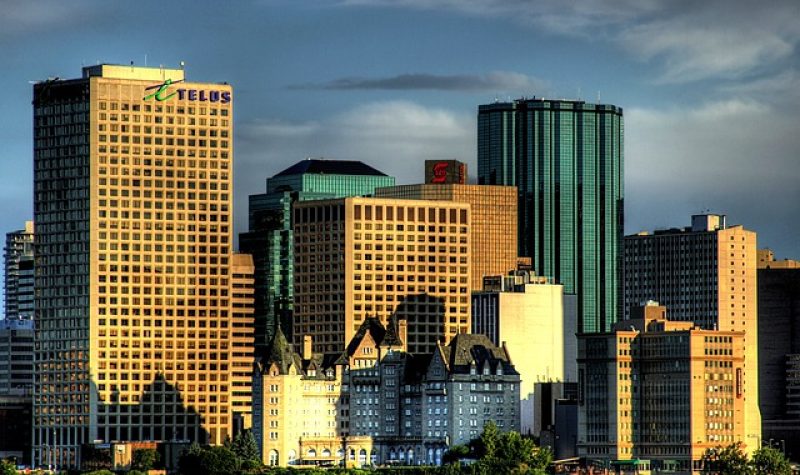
{"x": 499, "y": 370}
{"x": 472, "y": 370}
{"x": 486, "y": 370}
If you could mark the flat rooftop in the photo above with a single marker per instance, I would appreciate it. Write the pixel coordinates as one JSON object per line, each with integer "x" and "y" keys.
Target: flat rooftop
{"x": 119, "y": 71}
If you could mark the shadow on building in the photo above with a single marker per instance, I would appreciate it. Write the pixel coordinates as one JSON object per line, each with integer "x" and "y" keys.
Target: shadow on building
{"x": 16, "y": 414}
{"x": 779, "y": 358}
{"x": 160, "y": 420}
{"x": 425, "y": 318}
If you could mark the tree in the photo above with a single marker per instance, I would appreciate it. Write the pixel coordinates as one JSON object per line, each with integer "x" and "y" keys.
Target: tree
{"x": 455, "y": 453}
{"x": 487, "y": 442}
{"x": 729, "y": 460}
{"x": 246, "y": 449}
{"x": 191, "y": 460}
{"x": 7, "y": 467}
{"x": 145, "y": 459}
{"x": 772, "y": 461}
{"x": 219, "y": 461}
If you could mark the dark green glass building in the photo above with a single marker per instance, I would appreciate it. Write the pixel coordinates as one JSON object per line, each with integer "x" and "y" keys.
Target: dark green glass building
{"x": 566, "y": 159}
{"x": 270, "y": 238}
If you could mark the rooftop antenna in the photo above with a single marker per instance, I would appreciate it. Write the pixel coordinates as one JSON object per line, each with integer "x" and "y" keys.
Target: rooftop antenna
{"x": 598, "y": 97}
{"x": 145, "y": 60}
{"x": 579, "y": 93}
{"x": 183, "y": 64}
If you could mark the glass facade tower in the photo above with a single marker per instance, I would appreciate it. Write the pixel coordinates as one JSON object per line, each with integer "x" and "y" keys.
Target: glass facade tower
{"x": 566, "y": 159}
{"x": 270, "y": 237}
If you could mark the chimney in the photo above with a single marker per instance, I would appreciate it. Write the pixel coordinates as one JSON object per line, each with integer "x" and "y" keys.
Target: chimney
{"x": 402, "y": 333}
{"x": 307, "y": 347}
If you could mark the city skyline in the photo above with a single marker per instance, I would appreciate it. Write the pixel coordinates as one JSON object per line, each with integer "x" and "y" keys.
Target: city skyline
{"x": 714, "y": 94}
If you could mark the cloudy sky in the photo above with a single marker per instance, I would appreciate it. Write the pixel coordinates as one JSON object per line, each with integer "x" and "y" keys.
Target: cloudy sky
{"x": 711, "y": 89}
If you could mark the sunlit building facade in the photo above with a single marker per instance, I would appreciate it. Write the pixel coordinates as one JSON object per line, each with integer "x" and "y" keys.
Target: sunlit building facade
{"x": 493, "y": 211}
{"x": 659, "y": 394}
{"x": 706, "y": 274}
{"x": 134, "y": 323}
{"x": 386, "y": 258}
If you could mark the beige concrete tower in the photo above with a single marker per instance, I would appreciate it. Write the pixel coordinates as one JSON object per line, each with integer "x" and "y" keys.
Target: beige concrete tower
{"x": 386, "y": 258}
{"x": 493, "y": 223}
{"x": 242, "y": 288}
{"x": 704, "y": 274}
{"x": 133, "y": 197}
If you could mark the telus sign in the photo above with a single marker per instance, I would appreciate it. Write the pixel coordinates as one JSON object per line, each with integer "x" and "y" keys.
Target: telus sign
{"x": 162, "y": 93}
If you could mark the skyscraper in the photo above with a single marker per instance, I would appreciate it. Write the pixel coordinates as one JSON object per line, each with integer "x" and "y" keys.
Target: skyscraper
{"x": 566, "y": 159}
{"x": 18, "y": 261}
{"x": 359, "y": 258}
{"x": 270, "y": 237}
{"x": 132, "y": 181}
{"x": 705, "y": 274}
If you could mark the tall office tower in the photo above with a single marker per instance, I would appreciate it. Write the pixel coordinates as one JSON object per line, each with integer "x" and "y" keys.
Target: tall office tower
{"x": 16, "y": 357}
{"x": 493, "y": 222}
{"x": 566, "y": 160}
{"x": 133, "y": 195}
{"x": 705, "y": 274}
{"x": 270, "y": 238}
{"x": 18, "y": 259}
{"x": 524, "y": 311}
{"x": 661, "y": 392}
{"x": 779, "y": 350}
{"x": 390, "y": 259}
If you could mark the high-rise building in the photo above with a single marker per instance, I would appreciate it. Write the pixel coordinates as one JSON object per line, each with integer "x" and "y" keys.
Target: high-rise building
{"x": 661, "y": 393}
{"x": 18, "y": 260}
{"x": 134, "y": 318}
{"x": 493, "y": 211}
{"x": 779, "y": 351}
{"x": 705, "y": 274}
{"x": 566, "y": 160}
{"x": 523, "y": 311}
{"x": 385, "y": 258}
{"x": 270, "y": 237}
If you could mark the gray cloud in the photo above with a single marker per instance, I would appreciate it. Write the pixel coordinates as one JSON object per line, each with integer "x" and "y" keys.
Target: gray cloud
{"x": 688, "y": 40}
{"x": 27, "y": 17}
{"x": 736, "y": 157}
{"x": 393, "y": 136}
{"x": 498, "y": 81}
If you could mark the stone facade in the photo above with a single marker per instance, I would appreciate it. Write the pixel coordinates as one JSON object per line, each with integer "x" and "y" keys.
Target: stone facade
{"x": 376, "y": 403}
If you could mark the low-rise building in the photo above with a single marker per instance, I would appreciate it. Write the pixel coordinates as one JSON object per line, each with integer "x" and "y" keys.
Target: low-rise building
{"x": 376, "y": 403}
{"x": 660, "y": 391}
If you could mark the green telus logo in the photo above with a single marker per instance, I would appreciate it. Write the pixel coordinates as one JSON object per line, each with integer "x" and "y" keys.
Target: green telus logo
{"x": 161, "y": 89}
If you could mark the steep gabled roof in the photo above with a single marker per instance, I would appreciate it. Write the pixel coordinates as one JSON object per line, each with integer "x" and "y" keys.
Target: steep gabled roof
{"x": 280, "y": 352}
{"x": 466, "y": 349}
{"x": 330, "y": 167}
